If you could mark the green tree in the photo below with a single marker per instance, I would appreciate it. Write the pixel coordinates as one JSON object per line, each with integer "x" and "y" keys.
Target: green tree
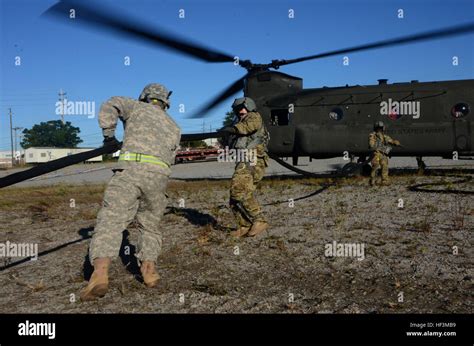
{"x": 194, "y": 144}
{"x": 228, "y": 121}
{"x": 51, "y": 134}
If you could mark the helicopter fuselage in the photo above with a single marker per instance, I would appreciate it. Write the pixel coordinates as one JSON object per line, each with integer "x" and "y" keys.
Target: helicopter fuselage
{"x": 428, "y": 118}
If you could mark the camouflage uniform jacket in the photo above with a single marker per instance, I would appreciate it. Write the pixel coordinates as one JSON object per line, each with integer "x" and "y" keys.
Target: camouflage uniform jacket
{"x": 148, "y": 130}
{"x": 379, "y": 142}
{"x": 252, "y": 134}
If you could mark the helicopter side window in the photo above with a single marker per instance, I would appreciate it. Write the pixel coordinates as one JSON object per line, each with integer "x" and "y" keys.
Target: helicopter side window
{"x": 280, "y": 117}
{"x": 336, "y": 114}
{"x": 460, "y": 110}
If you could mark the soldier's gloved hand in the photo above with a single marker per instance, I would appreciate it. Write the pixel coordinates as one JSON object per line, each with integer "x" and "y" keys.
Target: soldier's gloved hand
{"x": 228, "y": 129}
{"x": 397, "y": 143}
{"x": 110, "y": 141}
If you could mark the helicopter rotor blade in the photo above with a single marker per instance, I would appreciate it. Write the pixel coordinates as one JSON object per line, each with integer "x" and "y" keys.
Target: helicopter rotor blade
{"x": 232, "y": 89}
{"x": 87, "y": 14}
{"x": 425, "y": 36}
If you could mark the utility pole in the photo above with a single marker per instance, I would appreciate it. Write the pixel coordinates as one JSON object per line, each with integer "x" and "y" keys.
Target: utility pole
{"x": 62, "y": 100}
{"x": 11, "y": 135}
{"x": 15, "y": 136}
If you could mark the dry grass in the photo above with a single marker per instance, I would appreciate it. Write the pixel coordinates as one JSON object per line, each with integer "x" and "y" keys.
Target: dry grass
{"x": 49, "y": 196}
{"x": 423, "y": 226}
{"x": 459, "y": 213}
{"x": 44, "y": 203}
{"x": 199, "y": 259}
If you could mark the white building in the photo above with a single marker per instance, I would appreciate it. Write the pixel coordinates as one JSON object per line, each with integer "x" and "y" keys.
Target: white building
{"x": 5, "y": 159}
{"x": 212, "y": 142}
{"x": 46, "y": 154}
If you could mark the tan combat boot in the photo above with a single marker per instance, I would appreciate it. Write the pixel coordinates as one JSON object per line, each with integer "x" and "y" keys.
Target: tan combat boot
{"x": 150, "y": 276}
{"x": 257, "y": 228}
{"x": 99, "y": 283}
{"x": 240, "y": 232}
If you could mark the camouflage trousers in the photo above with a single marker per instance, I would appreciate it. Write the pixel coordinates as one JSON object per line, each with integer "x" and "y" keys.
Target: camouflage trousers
{"x": 132, "y": 194}
{"x": 379, "y": 161}
{"x": 243, "y": 203}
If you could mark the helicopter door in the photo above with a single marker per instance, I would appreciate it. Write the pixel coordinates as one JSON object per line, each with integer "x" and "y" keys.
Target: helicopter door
{"x": 282, "y": 132}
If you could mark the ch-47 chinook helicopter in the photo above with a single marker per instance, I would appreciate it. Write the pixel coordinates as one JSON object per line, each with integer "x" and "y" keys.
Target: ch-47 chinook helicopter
{"x": 429, "y": 118}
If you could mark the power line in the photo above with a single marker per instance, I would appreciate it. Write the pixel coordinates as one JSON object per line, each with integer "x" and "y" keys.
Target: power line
{"x": 62, "y": 99}
{"x": 20, "y": 99}
{"x": 11, "y": 134}
{"x": 16, "y": 128}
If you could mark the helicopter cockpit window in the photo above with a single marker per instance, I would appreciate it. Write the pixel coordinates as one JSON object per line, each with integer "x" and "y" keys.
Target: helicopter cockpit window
{"x": 336, "y": 114}
{"x": 280, "y": 117}
{"x": 460, "y": 110}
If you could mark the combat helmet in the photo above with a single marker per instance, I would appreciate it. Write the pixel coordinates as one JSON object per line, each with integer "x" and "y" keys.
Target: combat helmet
{"x": 246, "y": 102}
{"x": 157, "y": 91}
{"x": 379, "y": 125}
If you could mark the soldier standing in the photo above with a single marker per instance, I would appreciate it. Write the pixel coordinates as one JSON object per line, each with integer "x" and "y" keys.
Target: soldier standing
{"x": 380, "y": 143}
{"x": 137, "y": 189}
{"x": 248, "y": 133}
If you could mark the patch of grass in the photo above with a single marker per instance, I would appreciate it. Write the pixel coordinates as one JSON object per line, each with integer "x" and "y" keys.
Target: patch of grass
{"x": 210, "y": 288}
{"x": 179, "y": 186}
{"x": 432, "y": 208}
{"x": 365, "y": 225}
{"x": 33, "y": 287}
{"x": 88, "y": 214}
{"x": 342, "y": 207}
{"x": 460, "y": 210}
{"x": 54, "y": 202}
{"x": 50, "y": 196}
{"x": 423, "y": 225}
{"x": 275, "y": 242}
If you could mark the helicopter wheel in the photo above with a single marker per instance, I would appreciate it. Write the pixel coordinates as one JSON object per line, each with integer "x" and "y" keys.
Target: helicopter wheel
{"x": 366, "y": 169}
{"x": 351, "y": 169}
{"x": 421, "y": 165}
{"x": 356, "y": 169}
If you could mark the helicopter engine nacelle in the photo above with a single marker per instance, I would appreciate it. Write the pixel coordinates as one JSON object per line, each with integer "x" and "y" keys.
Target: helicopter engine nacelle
{"x": 271, "y": 83}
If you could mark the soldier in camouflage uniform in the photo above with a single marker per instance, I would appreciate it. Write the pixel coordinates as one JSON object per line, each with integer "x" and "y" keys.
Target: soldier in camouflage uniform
{"x": 248, "y": 133}
{"x": 380, "y": 143}
{"x": 137, "y": 189}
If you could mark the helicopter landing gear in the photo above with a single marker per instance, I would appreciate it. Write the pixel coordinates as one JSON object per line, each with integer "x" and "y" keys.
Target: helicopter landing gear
{"x": 366, "y": 168}
{"x": 351, "y": 169}
{"x": 295, "y": 161}
{"x": 421, "y": 165}
{"x": 362, "y": 167}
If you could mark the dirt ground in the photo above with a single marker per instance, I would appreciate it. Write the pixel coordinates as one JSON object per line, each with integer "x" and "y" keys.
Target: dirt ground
{"x": 418, "y": 258}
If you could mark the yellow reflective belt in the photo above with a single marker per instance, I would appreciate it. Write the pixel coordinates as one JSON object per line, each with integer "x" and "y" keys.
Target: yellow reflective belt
{"x": 142, "y": 158}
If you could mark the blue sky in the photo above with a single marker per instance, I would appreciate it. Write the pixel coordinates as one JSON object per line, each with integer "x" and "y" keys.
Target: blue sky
{"x": 89, "y": 65}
